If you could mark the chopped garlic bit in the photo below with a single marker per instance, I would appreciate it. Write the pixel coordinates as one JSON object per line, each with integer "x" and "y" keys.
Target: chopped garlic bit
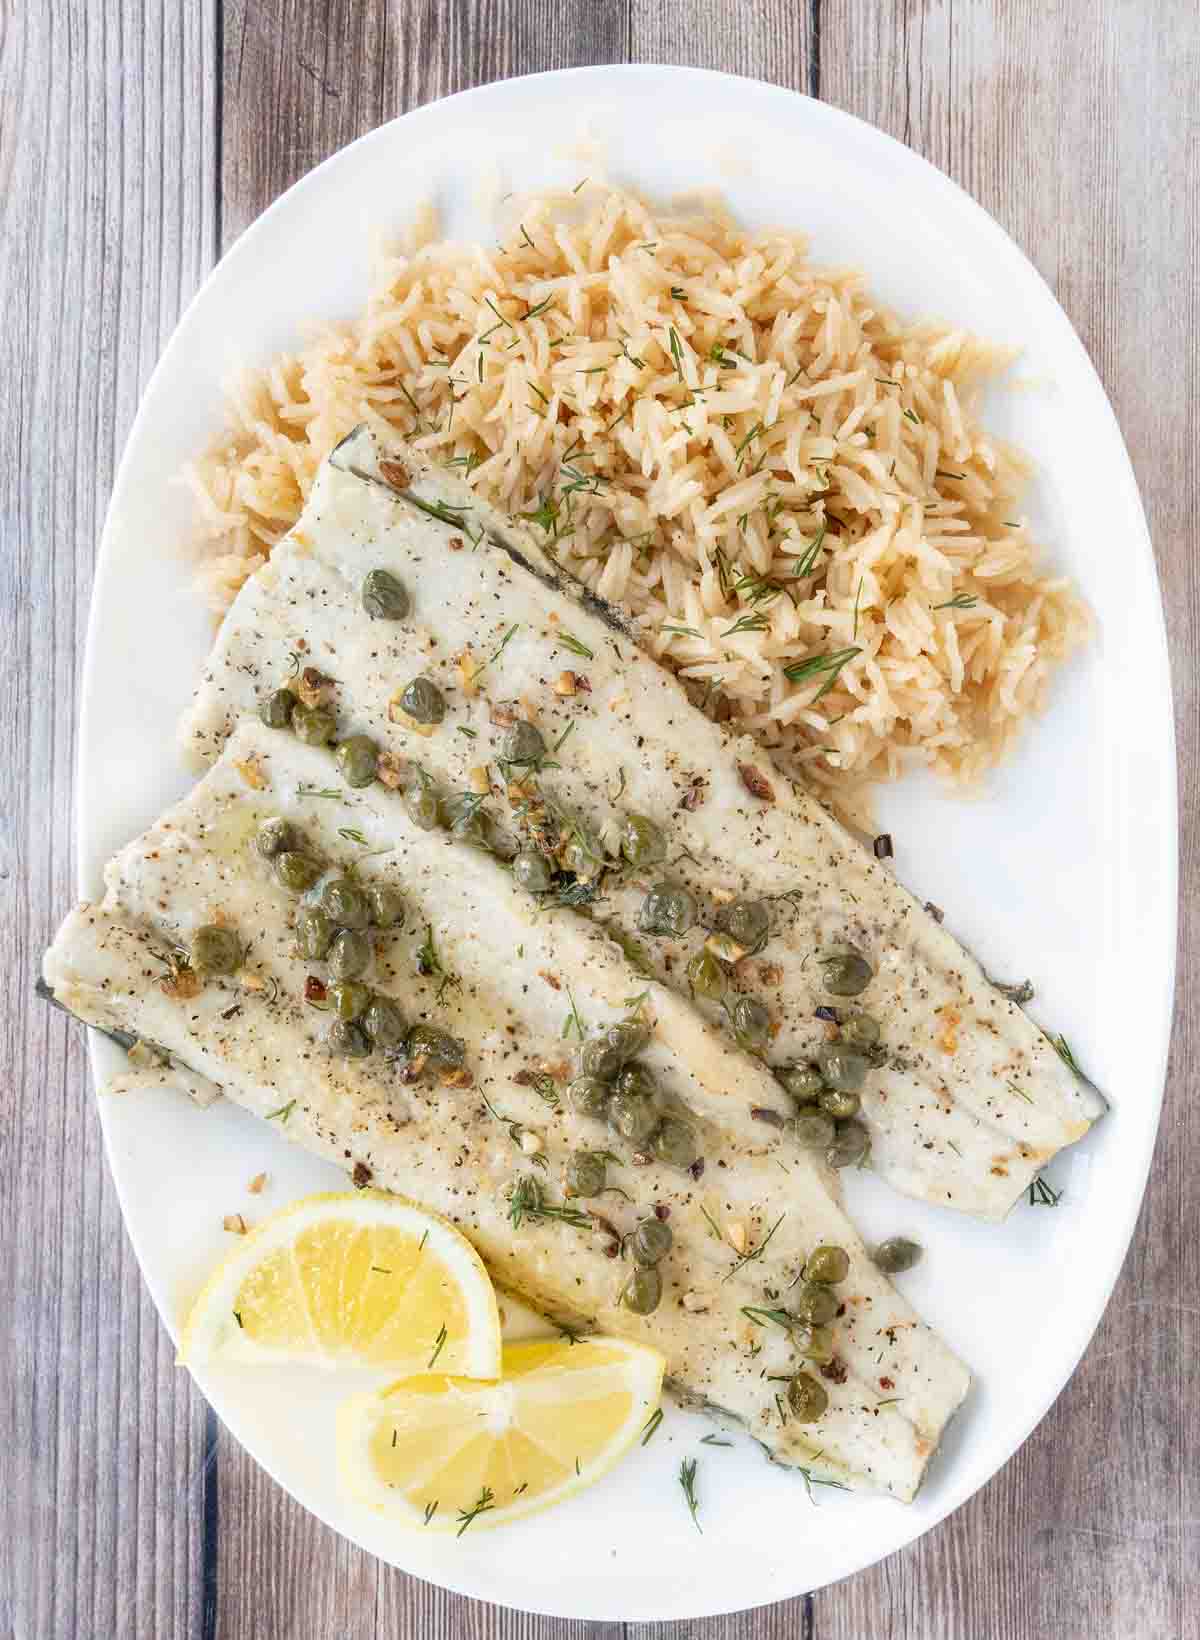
{"x": 255, "y": 1187}
{"x": 532, "y": 1144}
{"x": 694, "y": 1303}
{"x": 234, "y": 1223}
{"x": 251, "y": 771}
{"x": 735, "y": 1230}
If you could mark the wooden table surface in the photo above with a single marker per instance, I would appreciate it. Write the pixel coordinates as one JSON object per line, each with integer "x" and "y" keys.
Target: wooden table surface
{"x": 137, "y": 139}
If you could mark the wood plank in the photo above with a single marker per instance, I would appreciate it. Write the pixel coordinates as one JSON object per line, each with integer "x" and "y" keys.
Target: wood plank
{"x": 1092, "y": 1529}
{"x": 765, "y": 39}
{"x": 107, "y": 124}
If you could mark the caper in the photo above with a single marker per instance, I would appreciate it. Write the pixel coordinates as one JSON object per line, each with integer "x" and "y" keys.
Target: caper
{"x": 642, "y": 1293}
{"x": 751, "y": 1023}
{"x": 827, "y": 1264}
{"x": 586, "y": 1173}
{"x": 812, "y": 1129}
{"x": 463, "y": 815}
{"x": 589, "y": 1097}
{"x": 642, "y": 842}
{"x": 349, "y": 954}
{"x": 897, "y": 1254}
{"x": 839, "y": 1105}
{"x": 386, "y": 905}
{"x": 667, "y": 909}
{"x": 804, "y": 1082}
{"x": 276, "y": 711}
{"x": 843, "y": 1068}
{"x": 807, "y": 1399}
{"x": 314, "y": 932}
{"x": 598, "y": 1057}
{"x": 423, "y": 701}
{"x": 384, "y": 597}
{"x": 275, "y": 836}
{"x": 633, "y": 1118}
{"x": 426, "y": 1041}
{"x": 860, "y": 1031}
{"x": 314, "y": 725}
{"x": 627, "y": 1037}
{"x": 650, "y": 1242}
{"x": 674, "y": 1143}
{"x": 422, "y": 803}
{"x": 216, "y": 950}
{"x": 384, "y": 1023}
{"x": 347, "y": 1040}
{"x": 531, "y": 871}
{"x": 850, "y": 1145}
{"x": 846, "y": 972}
{"x": 357, "y": 759}
{"x": 638, "y": 1082}
{"x": 350, "y": 998}
{"x": 707, "y": 977}
{"x": 581, "y": 855}
{"x": 818, "y": 1346}
{"x": 748, "y": 922}
{"x": 524, "y": 743}
{"x": 344, "y": 902}
{"x": 813, "y": 1302}
{"x": 296, "y": 871}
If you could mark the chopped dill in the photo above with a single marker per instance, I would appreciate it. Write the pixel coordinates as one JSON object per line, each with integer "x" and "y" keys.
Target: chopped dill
{"x": 431, "y": 1509}
{"x": 284, "y": 1111}
{"x": 573, "y": 1022}
{"x": 471, "y": 734}
{"x": 804, "y": 565}
{"x": 439, "y": 1344}
{"x": 714, "y": 1228}
{"x": 1020, "y": 1092}
{"x": 713, "y": 1440}
{"x": 1042, "y": 1195}
{"x": 430, "y": 964}
{"x": 756, "y": 1252}
{"x": 650, "y": 1428}
{"x": 963, "y": 600}
{"x": 1062, "y": 1049}
{"x": 318, "y": 791}
{"x": 756, "y": 622}
{"x": 682, "y": 631}
{"x": 832, "y": 663}
{"x": 781, "y": 1318}
{"x": 678, "y": 293}
{"x": 687, "y": 1480}
{"x": 528, "y": 1202}
{"x": 485, "y": 1501}
{"x": 500, "y": 647}
{"x": 566, "y": 641}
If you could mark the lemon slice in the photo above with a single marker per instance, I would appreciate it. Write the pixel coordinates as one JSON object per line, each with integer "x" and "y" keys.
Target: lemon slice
{"x": 363, "y": 1278}
{"x": 434, "y": 1451}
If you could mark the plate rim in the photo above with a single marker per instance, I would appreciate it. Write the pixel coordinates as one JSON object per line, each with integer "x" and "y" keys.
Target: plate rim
{"x": 1124, "y": 476}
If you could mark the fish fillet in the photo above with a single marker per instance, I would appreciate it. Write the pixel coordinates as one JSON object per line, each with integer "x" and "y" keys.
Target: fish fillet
{"x": 477, "y": 958}
{"x": 973, "y": 1099}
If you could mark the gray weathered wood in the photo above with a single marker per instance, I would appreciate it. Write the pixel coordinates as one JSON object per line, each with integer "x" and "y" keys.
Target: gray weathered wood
{"x": 136, "y": 136}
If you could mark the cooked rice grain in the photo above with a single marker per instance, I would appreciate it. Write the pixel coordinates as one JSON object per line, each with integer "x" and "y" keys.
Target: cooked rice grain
{"x": 743, "y": 449}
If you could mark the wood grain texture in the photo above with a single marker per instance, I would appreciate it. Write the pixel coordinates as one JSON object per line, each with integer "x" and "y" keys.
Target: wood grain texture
{"x": 137, "y": 137}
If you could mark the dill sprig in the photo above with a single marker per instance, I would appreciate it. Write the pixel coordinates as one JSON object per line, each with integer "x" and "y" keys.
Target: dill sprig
{"x": 438, "y": 1345}
{"x": 516, "y": 1131}
{"x": 755, "y": 622}
{"x": 650, "y": 1428}
{"x": 436, "y": 509}
{"x": 1042, "y": 1195}
{"x": 755, "y": 432}
{"x": 485, "y": 1501}
{"x": 500, "y": 647}
{"x": 1020, "y": 1092}
{"x": 431, "y": 1510}
{"x": 687, "y": 1480}
{"x": 318, "y": 791}
{"x": 1062, "y": 1049}
{"x": 713, "y": 1440}
{"x": 756, "y": 1252}
{"x": 528, "y": 1202}
{"x": 283, "y": 1112}
{"x": 962, "y": 600}
{"x": 804, "y": 565}
{"x": 713, "y": 1226}
{"x": 564, "y": 640}
{"x": 430, "y": 964}
{"x": 815, "y": 665}
{"x": 573, "y": 1022}
{"x": 781, "y": 1318}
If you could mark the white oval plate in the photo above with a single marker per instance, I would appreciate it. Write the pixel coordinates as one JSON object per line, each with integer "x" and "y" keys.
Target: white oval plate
{"x": 1064, "y": 870}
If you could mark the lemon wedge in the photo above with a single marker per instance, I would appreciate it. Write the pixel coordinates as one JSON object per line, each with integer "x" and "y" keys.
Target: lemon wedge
{"x": 434, "y": 1451}
{"x": 361, "y": 1278}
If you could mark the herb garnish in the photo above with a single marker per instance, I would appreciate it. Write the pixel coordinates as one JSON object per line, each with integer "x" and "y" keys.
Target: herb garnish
{"x": 963, "y": 600}
{"x": 462, "y": 729}
{"x": 438, "y": 510}
{"x": 650, "y": 1428}
{"x": 317, "y": 791}
{"x": 439, "y": 1342}
{"x": 712, "y": 1440}
{"x": 499, "y": 650}
{"x": 485, "y": 1501}
{"x": 516, "y": 1131}
{"x": 832, "y": 663}
{"x": 857, "y": 596}
{"x": 757, "y": 1252}
{"x": 1020, "y": 1092}
{"x": 781, "y": 1318}
{"x": 1061, "y": 1048}
{"x": 284, "y": 1110}
{"x": 566, "y": 641}
{"x": 683, "y": 631}
{"x": 237, "y": 1316}
{"x": 714, "y": 1227}
{"x": 430, "y": 1511}
{"x": 528, "y": 1202}
{"x": 804, "y": 566}
{"x": 573, "y": 1022}
{"x": 352, "y": 835}
{"x": 755, "y": 432}
{"x": 430, "y": 964}
{"x": 756, "y": 622}
{"x": 1041, "y": 1194}
{"x": 678, "y": 293}
{"x": 687, "y": 1479}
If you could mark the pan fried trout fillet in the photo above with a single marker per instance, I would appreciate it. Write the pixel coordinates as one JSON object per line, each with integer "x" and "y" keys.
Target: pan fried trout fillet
{"x": 972, "y": 1100}
{"x": 476, "y": 958}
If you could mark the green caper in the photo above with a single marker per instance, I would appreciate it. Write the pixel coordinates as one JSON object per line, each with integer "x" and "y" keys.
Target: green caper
{"x": 627, "y": 1037}
{"x": 276, "y": 711}
{"x": 357, "y": 759}
{"x": 637, "y": 1082}
{"x": 524, "y": 743}
{"x": 384, "y": 597}
{"x": 827, "y": 1264}
{"x": 850, "y": 1145}
{"x": 812, "y": 1129}
{"x": 707, "y": 977}
{"x": 633, "y": 1118}
{"x": 422, "y": 803}
{"x": 314, "y": 932}
{"x": 751, "y": 1024}
{"x": 586, "y": 1173}
{"x": 347, "y": 1040}
{"x": 599, "y": 1058}
{"x": 581, "y": 855}
{"x": 314, "y": 725}
{"x": 216, "y": 950}
{"x": 843, "y": 1068}
{"x": 813, "y": 1302}
{"x": 897, "y": 1254}
{"x": 841, "y": 1106}
{"x": 860, "y": 1031}
{"x": 423, "y": 701}
{"x": 589, "y": 1096}
{"x": 427, "y": 1042}
{"x": 275, "y": 836}
{"x": 463, "y": 815}
{"x": 384, "y": 1023}
{"x": 642, "y": 842}
{"x": 747, "y": 922}
{"x": 531, "y": 871}
{"x": 674, "y": 1143}
{"x": 806, "y": 1398}
{"x": 349, "y": 954}
{"x": 650, "y": 1242}
{"x": 344, "y": 903}
{"x": 845, "y": 971}
{"x": 818, "y": 1346}
{"x": 804, "y": 1082}
{"x": 295, "y": 871}
{"x": 667, "y": 909}
{"x": 642, "y": 1293}
{"x": 386, "y": 904}
{"x": 350, "y": 998}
